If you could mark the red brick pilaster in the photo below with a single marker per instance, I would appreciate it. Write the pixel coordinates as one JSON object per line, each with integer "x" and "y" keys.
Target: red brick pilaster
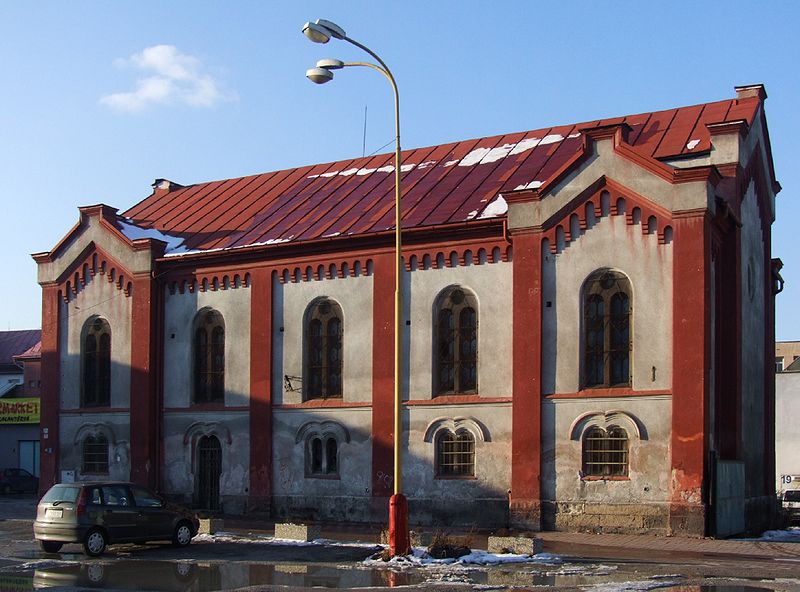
{"x": 51, "y": 388}
{"x": 260, "y": 389}
{"x": 143, "y": 398}
{"x": 382, "y": 379}
{"x": 527, "y": 385}
{"x": 690, "y": 363}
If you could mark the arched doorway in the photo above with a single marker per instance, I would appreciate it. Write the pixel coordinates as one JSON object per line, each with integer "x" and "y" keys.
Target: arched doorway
{"x": 209, "y": 468}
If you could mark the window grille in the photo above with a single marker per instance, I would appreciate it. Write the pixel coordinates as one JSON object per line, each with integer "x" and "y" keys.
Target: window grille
{"x": 455, "y": 454}
{"x": 457, "y": 343}
{"x": 97, "y": 364}
{"x": 324, "y": 338}
{"x": 606, "y": 324}
{"x": 323, "y": 456}
{"x": 605, "y": 453}
{"x": 95, "y": 455}
{"x": 209, "y": 358}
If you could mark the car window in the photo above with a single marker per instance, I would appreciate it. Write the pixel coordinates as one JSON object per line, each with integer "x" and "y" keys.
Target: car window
{"x": 23, "y": 473}
{"x": 145, "y": 498}
{"x": 12, "y": 472}
{"x": 115, "y": 495}
{"x": 94, "y": 496}
{"x": 62, "y": 493}
{"x": 792, "y": 495}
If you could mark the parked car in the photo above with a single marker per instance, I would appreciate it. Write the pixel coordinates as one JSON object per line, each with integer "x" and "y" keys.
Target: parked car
{"x": 98, "y": 514}
{"x": 791, "y": 504}
{"x": 18, "y": 480}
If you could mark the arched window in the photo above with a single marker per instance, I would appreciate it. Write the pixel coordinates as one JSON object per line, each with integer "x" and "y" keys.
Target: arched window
{"x": 209, "y": 357}
{"x": 324, "y": 336}
{"x": 322, "y": 456}
{"x": 96, "y": 357}
{"x": 95, "y": 455}
{"x": 455, "y": 454}
{"x": 605, "y": 453}
{"x": 607, "y": 330}
{"x": 456, "y": 356}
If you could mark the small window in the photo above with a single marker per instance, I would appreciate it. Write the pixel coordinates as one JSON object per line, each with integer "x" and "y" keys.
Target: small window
{"x": 323, "y": 456}
{"x": 455, "y": 454}
{"x": 96, "y": 362}
{"x": 606, "y": 330}
{"x": 778, "y": 363}
{"x": 209, "y": 357}
{"x": 605, "y": 453}
{"x": 95, "y": 455}
{"x": 456, "y": 343}
{"x": 323, "y": 356}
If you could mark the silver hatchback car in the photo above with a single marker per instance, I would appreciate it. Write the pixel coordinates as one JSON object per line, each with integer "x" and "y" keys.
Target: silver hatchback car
{"x": 98, "y": 514}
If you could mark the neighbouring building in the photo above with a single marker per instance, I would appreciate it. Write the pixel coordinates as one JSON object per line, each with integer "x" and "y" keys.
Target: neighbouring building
{"x": 786, "y": 352}
{"x": 20, "y": 390}
{"x": 787, "y": 411}
{"x": 588, "y": 330}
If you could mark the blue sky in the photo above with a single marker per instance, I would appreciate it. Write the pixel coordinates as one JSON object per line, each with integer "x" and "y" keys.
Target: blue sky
{"x": 101, "y": 98}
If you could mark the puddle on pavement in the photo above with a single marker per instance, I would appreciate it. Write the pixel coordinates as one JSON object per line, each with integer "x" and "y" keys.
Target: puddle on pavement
{"x": 716, "y": 588}
{"x": 166, "y": 576}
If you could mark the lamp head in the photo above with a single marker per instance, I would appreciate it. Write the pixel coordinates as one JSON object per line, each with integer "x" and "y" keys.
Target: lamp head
{"x": 321, "y": 31}
{"x": 319, "y": 75}
{"x": 330, "y": 64}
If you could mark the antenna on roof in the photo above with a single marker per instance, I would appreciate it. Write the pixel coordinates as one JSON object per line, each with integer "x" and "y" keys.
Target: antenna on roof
{"x": 364, "y": 139}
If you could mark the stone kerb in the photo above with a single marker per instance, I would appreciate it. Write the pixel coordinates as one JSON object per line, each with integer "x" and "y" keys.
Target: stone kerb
{"x": 297, "y": 532}
{"x": 519, "y": 545}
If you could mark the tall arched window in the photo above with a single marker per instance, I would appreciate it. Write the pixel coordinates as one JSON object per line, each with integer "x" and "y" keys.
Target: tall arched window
{"x": 95, "y": 455}
{"x": 324, "y": 337}
{"x": 455, "y": 454}
{"x": 605, "y": 453}
{"x": 607, "y": 329}
{"x": 209, "y": 357}
{"x": 96, "y": 357}
{"x": 456, "y": 355}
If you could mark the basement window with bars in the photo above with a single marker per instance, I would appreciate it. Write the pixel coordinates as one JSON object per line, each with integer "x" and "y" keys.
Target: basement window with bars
{"x": 455, "y": 454}
{"x": 95, "y": 455}
{"x": 605, "y": 453}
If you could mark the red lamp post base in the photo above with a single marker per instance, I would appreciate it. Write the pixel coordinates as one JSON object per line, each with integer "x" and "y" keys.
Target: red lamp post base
{"x": 399, "y": 540}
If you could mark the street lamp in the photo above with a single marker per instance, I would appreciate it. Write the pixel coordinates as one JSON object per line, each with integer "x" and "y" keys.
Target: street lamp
{"x": 321, "y": 31}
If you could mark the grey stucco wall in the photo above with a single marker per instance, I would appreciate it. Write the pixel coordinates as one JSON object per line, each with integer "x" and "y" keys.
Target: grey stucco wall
{"x": 491, "y": 285}
{"x": 787, "y": 435}
{"x": 74, "y": 428}
{"x": 345, "y": 496}
{"x": 753, "y": 354}
{"x": 98, "y": 298}
{"x": 290, "y": 303}
{"x": 183, "y": 429}
{"x": 643, "y": 495}
{"x": 609, "y": 243}
{"x": 179, "y": 313}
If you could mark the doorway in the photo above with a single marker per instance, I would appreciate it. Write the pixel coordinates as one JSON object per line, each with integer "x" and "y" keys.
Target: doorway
{"x": 209, "y": 469}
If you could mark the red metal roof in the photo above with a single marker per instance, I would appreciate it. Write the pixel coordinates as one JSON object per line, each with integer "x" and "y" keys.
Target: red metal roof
{"x": 444, "y": 184}
{"x": 13, "y": 343}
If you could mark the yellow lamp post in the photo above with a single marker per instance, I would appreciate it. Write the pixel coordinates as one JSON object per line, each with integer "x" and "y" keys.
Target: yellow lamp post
{"x": 322, "y": 31}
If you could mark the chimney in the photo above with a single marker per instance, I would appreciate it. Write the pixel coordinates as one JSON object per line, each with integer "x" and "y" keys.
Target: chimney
{"x": 164, "y": 186}
{"x": 751, "y": 90}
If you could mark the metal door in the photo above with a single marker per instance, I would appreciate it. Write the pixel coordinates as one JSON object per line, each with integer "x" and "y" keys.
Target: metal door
{"x": 209, "y": 468}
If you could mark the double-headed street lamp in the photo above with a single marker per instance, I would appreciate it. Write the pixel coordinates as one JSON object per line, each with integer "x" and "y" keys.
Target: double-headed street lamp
{"x": 321, "y": 31}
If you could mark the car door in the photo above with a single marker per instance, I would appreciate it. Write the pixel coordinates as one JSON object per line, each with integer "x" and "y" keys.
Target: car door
{"x": 119, "y": 513}
{"x": 154, "y": 520}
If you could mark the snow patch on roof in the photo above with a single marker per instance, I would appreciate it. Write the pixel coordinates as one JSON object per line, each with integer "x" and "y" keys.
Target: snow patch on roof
{"x": 362, "y": 172}
{"x": 349, "y": 172}
{"x": 133, "y": 232}
{"x": 269, "y": 241}
{"x": 389, "y": 168}
{"x": 331, "y": 235}
{"x": 472, "y": 214}
{"x": 426, "y": 164}
{"x": 450, "y": 163}
{"x": 497, "y": 208}
{"x": 488, "y": 155}
{"x": 691, "y": 144}
{"x": 531, "y": 185}
{"x": 404, "y": 168}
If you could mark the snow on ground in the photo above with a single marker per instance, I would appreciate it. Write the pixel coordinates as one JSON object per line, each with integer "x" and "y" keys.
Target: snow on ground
{"x": 420, "y": 558}
{"x": 790, "y": 535}
{"x": 255, "y": 538}
{"x": 637, "y": 586}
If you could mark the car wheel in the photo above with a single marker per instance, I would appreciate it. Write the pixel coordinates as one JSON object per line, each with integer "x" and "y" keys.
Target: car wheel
{"x": 50, "y": 546}
{"x": 182, "y": 535}
{"x": 94, "y": 543}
